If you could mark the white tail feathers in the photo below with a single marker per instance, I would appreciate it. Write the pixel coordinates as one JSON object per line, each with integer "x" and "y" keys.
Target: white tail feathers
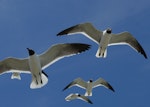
{"x": 39, "y": 83}
{"x": 88, "y": 94}
{"x": 105, "y": 53}
{"x": 15, "y": 75}
{"x": 101, "y": 53}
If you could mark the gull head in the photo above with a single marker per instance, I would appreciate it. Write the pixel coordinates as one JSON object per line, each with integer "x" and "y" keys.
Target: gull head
{"x": 31, "y": 52}
{"x": 90, "y": 80}
{"x": 109, "y": 30}
{"x": 78, "y": 95}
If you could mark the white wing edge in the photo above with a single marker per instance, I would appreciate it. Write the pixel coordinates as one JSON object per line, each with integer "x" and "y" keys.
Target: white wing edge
{"x": 83, "y": 33}
{"x": 122, "y": 43}
{"x": 80, "y": 86}
{"x": 97, "y": 85}
{"x": 57, "y": 60}
{"x": 11, "y": 71}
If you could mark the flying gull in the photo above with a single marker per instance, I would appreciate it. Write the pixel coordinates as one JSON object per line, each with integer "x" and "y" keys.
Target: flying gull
{"x": 78, "y": 96}
{"x": 88, "y": 86}
{"x": 35, "y": 64}
{"x": 104, "y": 38}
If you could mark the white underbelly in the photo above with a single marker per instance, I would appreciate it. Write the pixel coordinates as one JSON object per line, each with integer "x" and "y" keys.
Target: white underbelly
{"x": 39, "y": 79}
{"x": 34, "y": 63}
{"x": 105, "y": 41}
{"x": 89, "y": 90}
{"x": 102, "y": 49}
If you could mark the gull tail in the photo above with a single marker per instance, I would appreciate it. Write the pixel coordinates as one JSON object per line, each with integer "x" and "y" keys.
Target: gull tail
{"x": 38, "y": 83}
{"x": 15, "y": 75}
{"x": 101, "y": 53}
{"x": 88, "y": 94}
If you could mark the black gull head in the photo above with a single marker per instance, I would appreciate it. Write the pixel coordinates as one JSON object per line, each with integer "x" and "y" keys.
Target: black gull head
{"x": 109, "y": 31}
{"x": 31, "y": 52}
{"x": 90, "y": 80}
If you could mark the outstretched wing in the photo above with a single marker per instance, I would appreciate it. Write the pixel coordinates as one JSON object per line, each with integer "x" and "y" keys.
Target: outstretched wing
{"x": 127, "y": 38}
{"x": 15, "y": 65}
{"x": 59, "y": 51}
{"x": 102, "y": 82}
{"x": 78, "y": 96}
{"x": 77, "y": 82}
{"x": 85, "y": 98}
{"x": 86, "y": 29}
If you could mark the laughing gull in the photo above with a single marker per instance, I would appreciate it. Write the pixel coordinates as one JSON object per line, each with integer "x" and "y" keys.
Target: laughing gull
{"x": 104, "y": 38}
{"x": 78, "y": 96}
{"x": 88, "y": 86}
{"x": 35, "y": 64}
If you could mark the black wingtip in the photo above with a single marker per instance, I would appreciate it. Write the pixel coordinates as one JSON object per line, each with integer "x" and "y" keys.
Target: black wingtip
{"x": 84, "y": 47}
{"x": 80, "y": 47}
{"x": 62, "y": 33}
{"x": 144, "y": 54}
{"x": 112, "y": 89}
{"x": 89, "y": 101}
{"x": 141, "y": 50}
{"x": 64, "y": 89}
{"x": 145, "y": 57}
{"x": 66, "y": 31}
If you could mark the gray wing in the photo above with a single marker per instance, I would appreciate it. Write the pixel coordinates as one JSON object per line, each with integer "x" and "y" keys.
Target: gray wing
{"x": 102, "y": 82}
{"x": 14, "y": 64}
{"x": 84, "y": 98}
{"x": 78, "y": 96}
{"x": 77, "y": 82}
{"x": 59, "y": 51}
{"x": 71, "y": 97}
{"x": 127, "y": 38}
{"x": 86, "y": 29}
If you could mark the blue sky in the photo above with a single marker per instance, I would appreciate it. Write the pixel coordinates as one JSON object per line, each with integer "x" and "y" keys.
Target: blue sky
{"x": 34, "y": 24}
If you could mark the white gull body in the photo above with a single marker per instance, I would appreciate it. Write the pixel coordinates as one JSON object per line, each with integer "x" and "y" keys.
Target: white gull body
{"x": 35, "y": 64}
{"x": 78, "y": 96}
{"x": 104, "y": 38}
{"x": 88, "y": 86}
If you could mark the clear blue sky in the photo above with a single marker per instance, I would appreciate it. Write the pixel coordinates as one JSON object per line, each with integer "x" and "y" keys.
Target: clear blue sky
{"x": 35, "y": 23}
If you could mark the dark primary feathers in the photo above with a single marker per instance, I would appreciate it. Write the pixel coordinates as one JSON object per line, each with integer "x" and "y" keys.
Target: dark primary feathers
{"x": 86, "y": 29}
{"x": 66, "y": 31}
{"x": 102, "y": 82}
{"x": 78, "y": 96}
{"x": 53, "y": 54}
{"x": 127, "y": 38}
{"x": 80, "y": 47}
{"x": 78, "y": 81}
{"x": 59, "y": 51}
{"x": 85, "y": 99}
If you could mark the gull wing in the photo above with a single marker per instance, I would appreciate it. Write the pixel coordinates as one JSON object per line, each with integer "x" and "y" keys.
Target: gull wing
{"x": 78, "y": 96}
{"x": 86, "y": 29}
{"x": 14, "y": 64}
{"x": 127, "y": 38}
{"x": 59, "y": 51}
{"x": 77, "y": 82}
{"x": 102, "y": 82}
{"x": 84, "y": 98}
